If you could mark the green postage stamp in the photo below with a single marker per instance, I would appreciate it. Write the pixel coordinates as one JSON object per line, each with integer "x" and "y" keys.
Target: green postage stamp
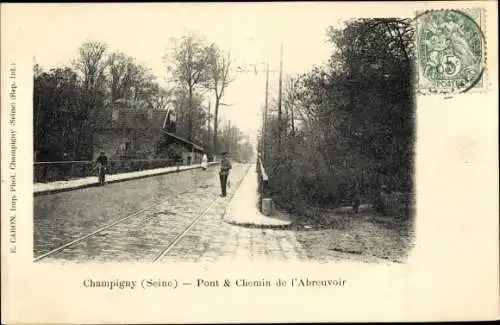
{"x": 450, "y": 51}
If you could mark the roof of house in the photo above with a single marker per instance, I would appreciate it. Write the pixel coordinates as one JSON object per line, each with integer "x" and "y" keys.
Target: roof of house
{"x": 193, "y": 145}
{"x": 128, "y": 118}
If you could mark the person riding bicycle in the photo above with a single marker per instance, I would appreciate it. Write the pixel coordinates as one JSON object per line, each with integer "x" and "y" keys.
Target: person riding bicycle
{"x": 102, "y": 163}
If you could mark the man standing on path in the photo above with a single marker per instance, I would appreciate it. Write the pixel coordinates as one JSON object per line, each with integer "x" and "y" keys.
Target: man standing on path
{"x": 225, "y": 166}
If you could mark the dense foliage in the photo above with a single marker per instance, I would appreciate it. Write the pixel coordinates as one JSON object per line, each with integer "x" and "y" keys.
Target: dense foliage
{"x": 348, "y": 126}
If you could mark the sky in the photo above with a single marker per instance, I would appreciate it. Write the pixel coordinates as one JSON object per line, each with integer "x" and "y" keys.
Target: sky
{"x": 252, "y": 32}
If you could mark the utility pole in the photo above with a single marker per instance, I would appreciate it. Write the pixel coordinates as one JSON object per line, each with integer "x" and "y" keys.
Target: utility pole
{"x": 291, "y": 109}
{"x": 208, "y": 124}
{"x": 265, "y": 111}
{"x": 261, "y": 140}
{"x": 279, "y": 98}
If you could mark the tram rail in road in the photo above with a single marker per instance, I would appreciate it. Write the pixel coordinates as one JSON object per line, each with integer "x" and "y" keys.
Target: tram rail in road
{"x": 166, "y": 249}
{"x": 186, "y": 230}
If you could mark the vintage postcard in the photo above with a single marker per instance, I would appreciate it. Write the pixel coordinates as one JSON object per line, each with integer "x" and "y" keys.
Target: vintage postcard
{"x": 249, "y": 162}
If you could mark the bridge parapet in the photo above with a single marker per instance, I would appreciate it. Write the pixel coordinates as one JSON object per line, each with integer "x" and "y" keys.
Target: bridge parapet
{"x": 51, "y": 171}
{"x": 266, "y": 205}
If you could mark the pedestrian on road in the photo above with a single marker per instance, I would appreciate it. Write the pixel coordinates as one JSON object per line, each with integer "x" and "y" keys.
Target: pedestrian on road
{"x": 380, "y": 200}
{"x": 102, "y": 164}
{"x": 356, "y": 201}
{"x": 225, "y": 166}
{"x": 204, "y": 161}
{"x": 355, "y": 197}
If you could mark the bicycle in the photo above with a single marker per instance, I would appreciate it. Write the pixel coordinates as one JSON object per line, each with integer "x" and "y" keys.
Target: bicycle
{"x": 101, "y": 174}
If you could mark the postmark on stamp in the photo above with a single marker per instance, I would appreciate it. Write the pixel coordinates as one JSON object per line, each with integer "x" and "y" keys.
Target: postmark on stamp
{"x": 450, "y": 51}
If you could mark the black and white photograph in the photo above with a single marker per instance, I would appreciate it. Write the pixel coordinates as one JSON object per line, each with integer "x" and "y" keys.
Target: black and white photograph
{"x": 214, "y": 145}
{"x": 223, "y": 162}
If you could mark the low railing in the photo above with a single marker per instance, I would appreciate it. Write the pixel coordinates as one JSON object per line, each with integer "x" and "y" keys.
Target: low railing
{"x": 51, "y": 171}
{"x": 263, "y": 181}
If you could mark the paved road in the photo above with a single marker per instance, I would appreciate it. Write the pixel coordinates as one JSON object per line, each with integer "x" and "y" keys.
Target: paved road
{"x": 212, "y": 240}
{"x": 174, "y": 198}
{"x": 175, "y": 201}
{"x": 162, "y": 207}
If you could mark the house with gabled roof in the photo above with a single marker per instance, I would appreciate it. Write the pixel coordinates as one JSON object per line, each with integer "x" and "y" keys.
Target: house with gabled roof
{"x": 131, "y": 133}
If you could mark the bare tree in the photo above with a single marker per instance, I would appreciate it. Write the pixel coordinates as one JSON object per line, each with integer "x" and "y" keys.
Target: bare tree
{"x": 120, "y": 70}
{"x": 133, "y": 83}
{"x": 145, "y": 84}
{"x": 219, "y": 78}
{"x": 91, "y": 62}
{"x": 178, "y": 99}
{"x": 160, "y": 99}
{"x": 187, "y": 62}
